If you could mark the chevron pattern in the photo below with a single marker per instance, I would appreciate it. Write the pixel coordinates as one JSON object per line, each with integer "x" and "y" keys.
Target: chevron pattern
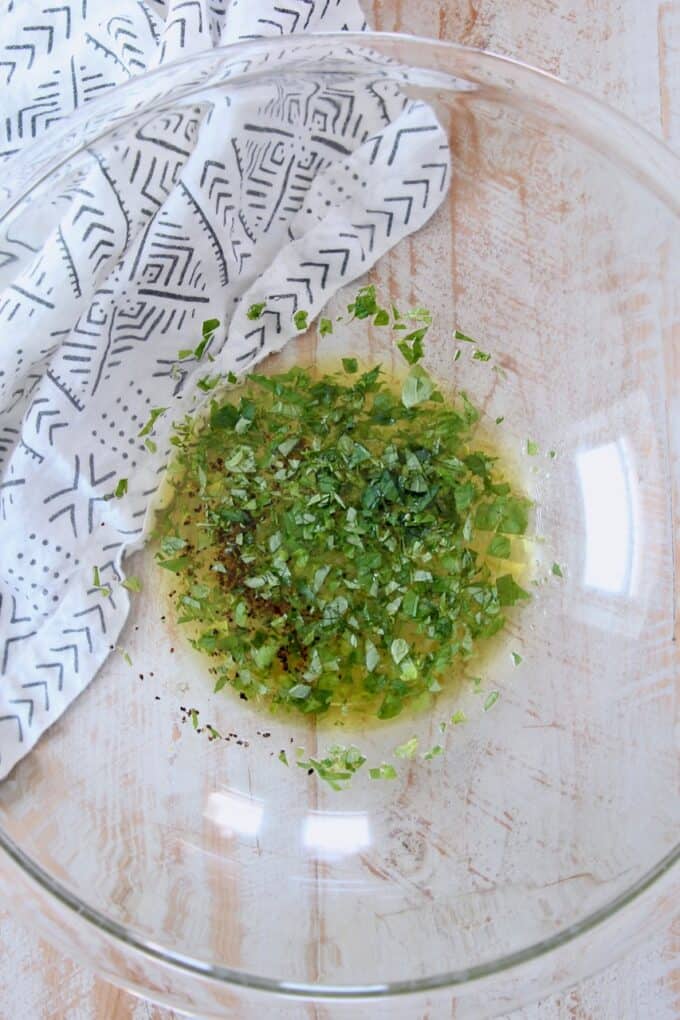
{"x": 278, "y": 192}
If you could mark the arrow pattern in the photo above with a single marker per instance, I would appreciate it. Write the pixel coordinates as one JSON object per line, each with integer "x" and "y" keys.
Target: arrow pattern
{"x": 281, "y": 193}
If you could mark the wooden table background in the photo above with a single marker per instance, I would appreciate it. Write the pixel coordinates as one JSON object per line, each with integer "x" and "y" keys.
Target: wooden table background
{"x": 628, "y": 53}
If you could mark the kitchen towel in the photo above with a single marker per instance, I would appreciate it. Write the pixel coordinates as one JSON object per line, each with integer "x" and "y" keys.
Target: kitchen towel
{"x": 279, "y": 194}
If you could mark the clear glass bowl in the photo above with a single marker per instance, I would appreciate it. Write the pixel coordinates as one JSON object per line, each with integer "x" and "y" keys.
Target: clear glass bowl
{"x": 211, "y": 878}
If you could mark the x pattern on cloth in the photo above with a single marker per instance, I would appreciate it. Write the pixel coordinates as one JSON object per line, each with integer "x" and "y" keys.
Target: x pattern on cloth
{"x": 279, "y": 193}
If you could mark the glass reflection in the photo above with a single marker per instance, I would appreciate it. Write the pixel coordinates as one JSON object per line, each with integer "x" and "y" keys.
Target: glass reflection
{"x": 338, "y": 833}
{"x": 235, "y": 813}
{"x": 607, "y": 488}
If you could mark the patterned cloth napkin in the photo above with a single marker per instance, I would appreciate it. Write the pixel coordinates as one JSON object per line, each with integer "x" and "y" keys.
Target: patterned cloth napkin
{"x": 280, "y": 197}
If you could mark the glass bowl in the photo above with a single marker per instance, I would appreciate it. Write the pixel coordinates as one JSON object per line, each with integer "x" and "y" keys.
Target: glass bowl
{"x": 212, "y": 878}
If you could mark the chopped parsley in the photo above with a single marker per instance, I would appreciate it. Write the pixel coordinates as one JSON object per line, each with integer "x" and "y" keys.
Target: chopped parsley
{"x": 121, "y": 488}
{"x": 255, "y": 311}
{"x": 557, "y": 570}
{"x": 338, "y": 543}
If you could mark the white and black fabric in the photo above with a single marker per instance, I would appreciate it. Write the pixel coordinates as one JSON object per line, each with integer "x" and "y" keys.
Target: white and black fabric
{"x": 281, "y": 196}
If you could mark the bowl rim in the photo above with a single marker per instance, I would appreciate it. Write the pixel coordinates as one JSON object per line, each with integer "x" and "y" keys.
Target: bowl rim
{"x": 656, "y": 171}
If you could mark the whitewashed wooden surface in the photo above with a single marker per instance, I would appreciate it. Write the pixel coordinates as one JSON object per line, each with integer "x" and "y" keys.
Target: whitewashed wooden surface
{"x": 628, "y": 53}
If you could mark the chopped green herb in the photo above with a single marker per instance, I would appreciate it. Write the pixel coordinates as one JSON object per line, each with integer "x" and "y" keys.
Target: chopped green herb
{"x": 500, "y": 420}
{"x": 458, "y": 717}
{"x": 434, "y": 752}
{"x": 557, "y": 570}
{"x": 383, "y": 771}
{"x": 300, "y": 319}
{"x": 461, "y": 336}
{"x": 325, "y": 327}
{"x": 326, "y": 535}
{"x": 382, "y": 317}
{"x": 552, "y": 454}
{"x": 132, "y": 583}
{"x": 516, "y": 658}
{"x": 121, "y": 488}
{"x": 214, "y": 734}
{"x": 255, "y": 311}
{"x": 103, "y": 589}
{"x": 154, "y": 415}
{"x": 499, "y": 546}
{"x": 193, "y": 712}
{"x": 337, "y": 767}
{"x": 509, "y": 592}
{"x": 407, "y": 749}
{"x": 365, "y": 304}
{"x": 456, "y": 356}
{"x": 532, "y": 448}
{"x": 150, "y": 445}
{"x": 491, "y": 700}
{"x": 481, "y": 356}
{"x": 199, "y": 349}
{"x": 282, "y": 756}
{"x": 418, "y": 387}
{"x": 411, "y": 346}
{"x": 208, "y": 383}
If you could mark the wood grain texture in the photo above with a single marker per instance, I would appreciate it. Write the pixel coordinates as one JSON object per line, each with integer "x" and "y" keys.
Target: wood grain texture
{"x": 628, "y": 53}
